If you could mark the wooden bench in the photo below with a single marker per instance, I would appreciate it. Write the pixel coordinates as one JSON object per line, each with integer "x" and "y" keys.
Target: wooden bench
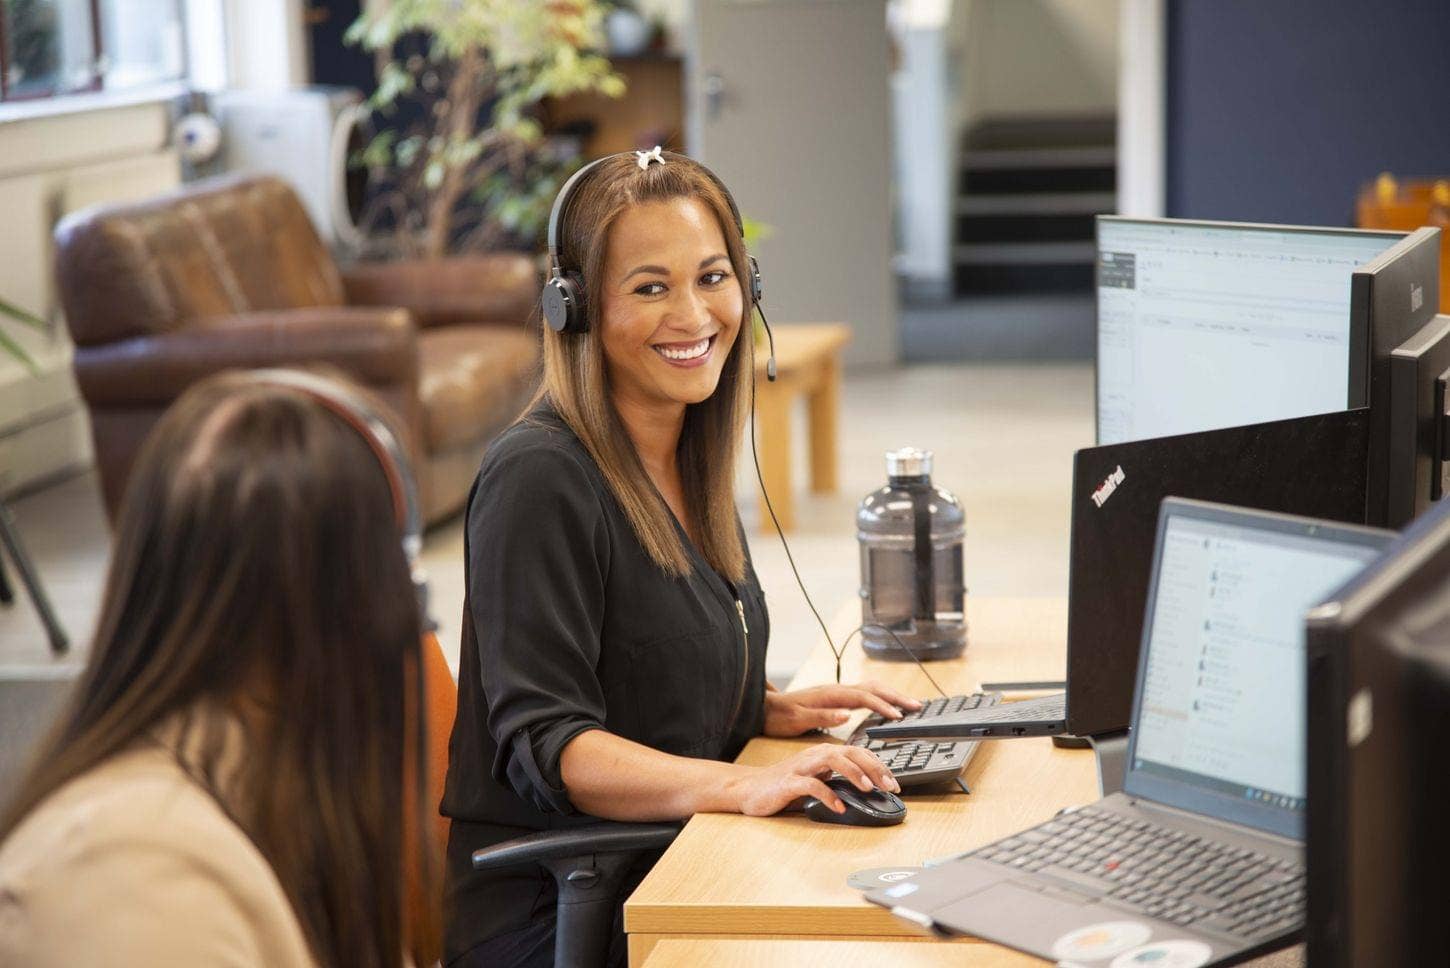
{"x": 808, "y": 362}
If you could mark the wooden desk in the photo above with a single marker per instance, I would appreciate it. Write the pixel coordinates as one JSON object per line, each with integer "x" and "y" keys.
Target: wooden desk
{"x": 785, "y": 877}
{"x": 702, "y": 953}
{"x": 807, "y": 362}
{"x": 835, "y": 954}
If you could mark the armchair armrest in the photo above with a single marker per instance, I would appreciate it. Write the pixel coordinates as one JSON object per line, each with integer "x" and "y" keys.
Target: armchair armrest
{"x": 493, "y": 289}
{"x": 377, "y": 347}
{"x": 575, "y": 842}
{"x": 590, "y": 866}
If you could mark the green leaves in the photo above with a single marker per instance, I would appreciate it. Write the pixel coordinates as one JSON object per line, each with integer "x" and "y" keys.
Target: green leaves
{"x": 9, "y": 345}
{"x": 461, "y": 150}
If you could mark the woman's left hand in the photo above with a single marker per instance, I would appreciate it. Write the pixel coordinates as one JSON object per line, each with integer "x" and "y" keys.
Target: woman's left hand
{"x": 822, "y": 707}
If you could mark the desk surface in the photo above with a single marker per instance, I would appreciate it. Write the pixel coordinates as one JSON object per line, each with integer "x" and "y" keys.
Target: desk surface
{"x": 786, "y": 876}
{"x": 836, "y": 954}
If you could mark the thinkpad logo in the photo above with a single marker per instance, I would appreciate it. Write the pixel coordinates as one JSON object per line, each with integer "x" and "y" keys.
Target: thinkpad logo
{"x": 1106, "y": 488}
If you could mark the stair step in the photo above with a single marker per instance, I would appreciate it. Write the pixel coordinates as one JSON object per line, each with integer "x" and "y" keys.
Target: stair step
{"x": 1023, "y": 181}
{"x": 1078, "y": 156}
{"x": 1039, "y": 203}
{"x": 1072, "y": 130}
{"x": 1025, "y": 253}
{"x": 1025, "y": 228}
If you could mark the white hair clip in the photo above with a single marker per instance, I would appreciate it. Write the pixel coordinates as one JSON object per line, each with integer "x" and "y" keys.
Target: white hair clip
{"x": 645, "y": 157}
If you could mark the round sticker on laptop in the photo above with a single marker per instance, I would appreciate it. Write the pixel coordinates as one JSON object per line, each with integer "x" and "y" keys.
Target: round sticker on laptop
{"x": 1180, "y": 953}
{"x": 1098, "y": 941}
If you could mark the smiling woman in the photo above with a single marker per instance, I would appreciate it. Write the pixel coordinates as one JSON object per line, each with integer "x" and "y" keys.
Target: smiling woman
{"x": 614, "y": 631}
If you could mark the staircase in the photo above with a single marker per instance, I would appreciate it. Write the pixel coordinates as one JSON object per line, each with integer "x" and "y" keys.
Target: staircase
{"x": 1028, "y": 190}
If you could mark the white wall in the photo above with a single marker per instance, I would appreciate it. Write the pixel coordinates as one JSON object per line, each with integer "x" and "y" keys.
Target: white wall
{"x": 1141, "y": 106}
{"x": 49, "y": 166}
{"x": 1036, "y": 57}
{"x": 923, "y": 145}
{"x": 266, "y": 43}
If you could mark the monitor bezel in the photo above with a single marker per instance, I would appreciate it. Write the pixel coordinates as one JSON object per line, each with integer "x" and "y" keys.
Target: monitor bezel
{"x": 1359, "y": 335}
{"x": 1181, "y": 794}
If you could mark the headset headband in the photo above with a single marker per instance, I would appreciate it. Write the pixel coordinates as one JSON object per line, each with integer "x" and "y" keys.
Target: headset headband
{"x": 359, "y": 414}
{"x": 561, "y": 201}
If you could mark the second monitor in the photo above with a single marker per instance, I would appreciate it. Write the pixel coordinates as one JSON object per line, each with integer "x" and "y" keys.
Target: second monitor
{"x": 1203, "y": 325}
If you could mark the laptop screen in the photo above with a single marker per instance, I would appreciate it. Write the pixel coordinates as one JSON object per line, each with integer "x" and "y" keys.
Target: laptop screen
{"x": 1221, "y": 689}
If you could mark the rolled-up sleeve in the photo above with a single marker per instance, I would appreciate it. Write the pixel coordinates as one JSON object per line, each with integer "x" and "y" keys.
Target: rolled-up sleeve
{"x": 538, "y": 556}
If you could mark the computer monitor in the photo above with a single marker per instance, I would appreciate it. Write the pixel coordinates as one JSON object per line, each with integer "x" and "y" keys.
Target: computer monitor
{"x": 1377, "y": 846}
{"x": 1397, "y": 294}
{"x": 1203, "y": 325}
{"x": 1419, "y": 373}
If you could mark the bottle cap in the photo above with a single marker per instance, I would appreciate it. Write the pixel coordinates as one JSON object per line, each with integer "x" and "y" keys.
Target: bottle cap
{"x": 908, "y": 462}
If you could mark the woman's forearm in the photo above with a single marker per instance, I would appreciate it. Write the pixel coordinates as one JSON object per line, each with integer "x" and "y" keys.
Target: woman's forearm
{"x": 617, "y": 779}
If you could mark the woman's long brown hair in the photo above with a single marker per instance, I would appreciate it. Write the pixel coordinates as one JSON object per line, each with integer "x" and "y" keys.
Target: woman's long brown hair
{"x": 576, "y": 380}
{"x": 258, "y": 578}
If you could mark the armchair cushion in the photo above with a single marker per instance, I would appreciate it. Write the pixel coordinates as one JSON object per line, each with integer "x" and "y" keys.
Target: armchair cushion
{"x": 375, "y": 346}
{"x": 499, "y": 288}
{"x": 469, "y": 371}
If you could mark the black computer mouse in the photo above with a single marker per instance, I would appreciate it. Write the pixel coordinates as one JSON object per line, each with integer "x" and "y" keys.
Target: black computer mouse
{"x": 864, "y": 808}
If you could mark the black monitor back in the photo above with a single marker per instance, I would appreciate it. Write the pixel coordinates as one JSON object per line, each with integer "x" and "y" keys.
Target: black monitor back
{"x": 1312, "y": 466}
{"x": 1390, "y": 300}
{"x": 1419, "y": 375}
{"x": 1377, "y": 845}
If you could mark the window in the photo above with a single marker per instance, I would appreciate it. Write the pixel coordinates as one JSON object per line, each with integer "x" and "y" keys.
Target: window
{"x": 51, "y": 47}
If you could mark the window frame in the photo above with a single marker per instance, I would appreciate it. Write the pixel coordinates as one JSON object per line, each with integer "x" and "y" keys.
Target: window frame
{"x": 97, "y": 80}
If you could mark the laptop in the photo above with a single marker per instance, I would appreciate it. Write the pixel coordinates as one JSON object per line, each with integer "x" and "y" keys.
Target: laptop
{"x": 1312, "y": 466}
{"x": 1200, "y": 857}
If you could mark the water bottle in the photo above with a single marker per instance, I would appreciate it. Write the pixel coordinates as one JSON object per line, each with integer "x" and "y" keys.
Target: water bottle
{"x": 911, "y": 564}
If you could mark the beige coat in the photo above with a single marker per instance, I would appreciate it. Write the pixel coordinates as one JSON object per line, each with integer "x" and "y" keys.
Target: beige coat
{"x": 133, "y": 864}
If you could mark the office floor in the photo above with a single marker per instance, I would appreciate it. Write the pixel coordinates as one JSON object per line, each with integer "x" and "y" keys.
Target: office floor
{"x": 1003, "y": 434}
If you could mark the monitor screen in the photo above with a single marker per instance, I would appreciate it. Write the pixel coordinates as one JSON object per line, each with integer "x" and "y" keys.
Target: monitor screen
{"x": 1206, "y": 325}
{"x": 1221, "y": 697}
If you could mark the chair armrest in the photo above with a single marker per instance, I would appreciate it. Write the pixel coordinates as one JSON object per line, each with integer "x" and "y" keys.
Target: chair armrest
{"x": 605, "y": 837}
{"x": 495, "y": 289}
{"x": 377, "y": 347}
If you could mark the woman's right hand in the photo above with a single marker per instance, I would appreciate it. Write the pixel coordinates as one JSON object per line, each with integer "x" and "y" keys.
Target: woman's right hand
{"x": 771, "y": 789}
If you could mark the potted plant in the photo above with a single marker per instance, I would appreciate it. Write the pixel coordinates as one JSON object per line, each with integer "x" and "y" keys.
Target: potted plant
{"x": 9, "y": 311}
{"x": 459, "y": 151}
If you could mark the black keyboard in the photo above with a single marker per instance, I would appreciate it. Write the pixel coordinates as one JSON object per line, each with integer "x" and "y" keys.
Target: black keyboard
{"x": 1165, "y": 873}
{"x": 915, "y": 763}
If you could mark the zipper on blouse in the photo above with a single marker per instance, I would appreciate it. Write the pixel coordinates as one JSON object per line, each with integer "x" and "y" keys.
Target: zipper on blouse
{"x": 745, "y": 654}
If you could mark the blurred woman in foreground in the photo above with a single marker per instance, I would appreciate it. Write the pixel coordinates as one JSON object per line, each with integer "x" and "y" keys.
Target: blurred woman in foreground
{"x": 224, "y": 788}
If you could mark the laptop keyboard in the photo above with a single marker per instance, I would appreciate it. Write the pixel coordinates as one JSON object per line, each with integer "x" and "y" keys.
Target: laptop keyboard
{"x": 1165, "y": 873}
{"x": 915, "y": 762}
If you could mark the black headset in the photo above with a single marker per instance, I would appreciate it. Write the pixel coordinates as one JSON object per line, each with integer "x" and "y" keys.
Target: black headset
{"x": 562, "y": 299}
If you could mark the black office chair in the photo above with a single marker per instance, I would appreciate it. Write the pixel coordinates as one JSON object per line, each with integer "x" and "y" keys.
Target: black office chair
{"x": 589, "y": 865}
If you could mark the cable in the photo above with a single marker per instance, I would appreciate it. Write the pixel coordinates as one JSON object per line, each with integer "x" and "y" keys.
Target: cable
{"x": 780, "y": 533}
{"x": 881, "y": 628}
{"x": 759, "y": 476}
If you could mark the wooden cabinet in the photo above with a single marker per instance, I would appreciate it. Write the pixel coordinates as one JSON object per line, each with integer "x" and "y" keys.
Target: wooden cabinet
{"x": 1407, "y": 205}
{"x": 650, "y": 112}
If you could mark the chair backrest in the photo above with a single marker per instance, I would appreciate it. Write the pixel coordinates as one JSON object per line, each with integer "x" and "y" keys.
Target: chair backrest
{"x": 217, "y": 247}
{"x": 440, "y": 698}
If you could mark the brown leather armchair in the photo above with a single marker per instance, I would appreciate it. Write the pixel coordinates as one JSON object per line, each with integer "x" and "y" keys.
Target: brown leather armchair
{"x": 230, "y": 273}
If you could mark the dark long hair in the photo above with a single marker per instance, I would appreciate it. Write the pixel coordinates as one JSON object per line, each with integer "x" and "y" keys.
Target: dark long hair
{"x": 576, "y": 380}
{"x": 258, "y": 578}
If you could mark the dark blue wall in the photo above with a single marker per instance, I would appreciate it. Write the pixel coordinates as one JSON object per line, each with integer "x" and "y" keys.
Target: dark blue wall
{"x": 1278, "y": 110}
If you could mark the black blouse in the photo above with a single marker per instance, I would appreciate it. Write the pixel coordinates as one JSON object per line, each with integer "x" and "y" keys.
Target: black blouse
{"x": 568, "y": 625}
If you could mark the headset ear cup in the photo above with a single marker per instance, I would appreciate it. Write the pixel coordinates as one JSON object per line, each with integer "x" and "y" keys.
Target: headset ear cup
{"x": 756, "y": 291}
{"x": 563, "y": 303}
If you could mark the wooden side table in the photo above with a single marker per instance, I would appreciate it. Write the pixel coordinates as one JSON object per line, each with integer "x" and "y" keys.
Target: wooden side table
{"x": 807, "y": 362}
